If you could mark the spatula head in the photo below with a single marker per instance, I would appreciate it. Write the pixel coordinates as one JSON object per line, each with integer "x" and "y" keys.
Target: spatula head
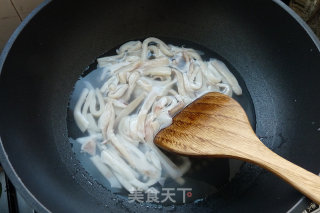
{"x": 213, "y": 125}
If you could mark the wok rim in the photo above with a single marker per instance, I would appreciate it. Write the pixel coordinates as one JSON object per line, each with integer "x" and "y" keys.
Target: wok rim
{"x": 4, "y": 160}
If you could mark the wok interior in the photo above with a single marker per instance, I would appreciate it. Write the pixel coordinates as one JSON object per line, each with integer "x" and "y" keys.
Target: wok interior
{"x": 277, "y": 60}
{"x": 206, "y": 176}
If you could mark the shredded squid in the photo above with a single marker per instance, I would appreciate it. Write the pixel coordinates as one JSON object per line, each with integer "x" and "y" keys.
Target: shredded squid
{"x": 148, "y": 83}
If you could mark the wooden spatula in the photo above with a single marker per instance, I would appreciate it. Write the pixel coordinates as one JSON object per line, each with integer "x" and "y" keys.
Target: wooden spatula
{"x": 215, "y": 125}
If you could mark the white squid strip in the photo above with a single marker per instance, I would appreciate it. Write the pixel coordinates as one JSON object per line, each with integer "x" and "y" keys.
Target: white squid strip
{"x": 133, "y": 120}
{"x": 130, "y": 46}
{"x": 133, "y": 55}
{"x": 226, "y": 89}
{"x": 157, "y": 62}
{"x": 156, "y": 83}
{"x": 180, "y": 83}
{"x": 93, "y": 127}
{"x": 176, "y": 95}
{"x": 193, "y": 54}
{"x": 177, "y": 108}
{"x": 132, "y": 81}
{"x": 144, "y": 84}
{"x": 121, "y": 167}
{"x": 105, "y": 72}
{"x": 180, "y": 180}
{"x": 152, "y": 157}
{"x": 151, "y": 127}
{"x": 125, "y": 183}
{"x": 195, "y": 77}
{"x": 106, "y": 172}
{"x": 110, "y": 68}
{"x": 130, "y": 147}
{"x": 134, "y": 162}
{"x": 123, "y": 77}
{"x": 128, "y": 68}
{"x": 81, "y": 121}
{"x": 130, "y": 108}
{"x": 163, "y": 47}
{"x": 187, "y": 86}
{"x": 119, "y": 91}
{"x": 224, "y": 71}
{"x": 133, "y": 58}
{"x": 109, "y": 59}
{"x": 186, "y": 57}
{"x": 139, "y": 185}
{"x": 89, "y": 147}
{"x": 115, "y": 141}
{"x": 159, "y": 105}
{"x": 154, "y": 50}
{"x": 164, "y": 119}
{"x": 212, "y": 74}
{"x": 113, "y": 80}
{"x": 167, "y": 164}
{"x": 152, "y": 181}
{"x": 93, "y": 104}
{"x": 117, "y": 157}
{"x": 185, "y": 165}
{"x": 147, "y": 104}
{"x": 83, "y": 140}
{"x": 119, "y": 104}
{"x": 124, "y": 131}
{"x": 88, "y": 85}
{"x": 158, "y": 71}
{"x": 104, "y": 119}
{"x": 86, "y": 105}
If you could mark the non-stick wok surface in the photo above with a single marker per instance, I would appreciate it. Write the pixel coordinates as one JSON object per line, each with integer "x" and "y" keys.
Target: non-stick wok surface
{"x": 278, "y": 60}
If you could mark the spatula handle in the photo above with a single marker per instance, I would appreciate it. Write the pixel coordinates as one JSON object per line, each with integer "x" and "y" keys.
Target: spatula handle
{"x": 304, "y": 181}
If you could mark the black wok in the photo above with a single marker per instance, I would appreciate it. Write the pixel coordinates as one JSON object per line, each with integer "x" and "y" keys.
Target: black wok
{"x": 273, "y": 51}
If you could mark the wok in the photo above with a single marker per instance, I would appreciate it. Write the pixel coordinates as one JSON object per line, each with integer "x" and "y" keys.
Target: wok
{"x": 273, "y": 51}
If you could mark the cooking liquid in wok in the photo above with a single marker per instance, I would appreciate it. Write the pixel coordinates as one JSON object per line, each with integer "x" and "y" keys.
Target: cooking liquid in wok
{"x": 205, "y": 177}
